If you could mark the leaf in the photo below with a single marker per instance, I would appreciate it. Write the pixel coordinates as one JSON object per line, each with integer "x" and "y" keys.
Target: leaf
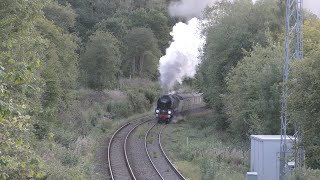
{"x": 41, "y": 174}
{"x": 31, "y": 173}
{"x": 19, "y": 142}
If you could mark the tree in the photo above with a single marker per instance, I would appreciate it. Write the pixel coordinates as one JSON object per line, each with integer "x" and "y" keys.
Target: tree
{"x": 156, "y": 20}
{"x": 234, "y": 27}
{"x": 252, "y": 99}
{"x": 115, "y": 25}
{"x": 101, "y": 60}
{"x": 62, "y": 16}
{"x": 142, "y": 53}
{"x": 91, "y": 12}
{"x": 21, "y": 51}
{"x": 304, "y": 100}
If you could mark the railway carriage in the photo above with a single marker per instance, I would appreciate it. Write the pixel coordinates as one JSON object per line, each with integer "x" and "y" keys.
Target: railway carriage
{"x": 171, "y": 105}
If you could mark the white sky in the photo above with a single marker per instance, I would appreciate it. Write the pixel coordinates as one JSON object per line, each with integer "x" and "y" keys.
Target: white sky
{"x": 313, "y": 5}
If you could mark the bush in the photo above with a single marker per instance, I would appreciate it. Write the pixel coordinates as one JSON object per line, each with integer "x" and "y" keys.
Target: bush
{"x": 150, "y": 95}
{"x": 207, "y": 168}
{"x": 69, "y": 159}
{"x": 119, "y": 109}
{"x": 65, "y": 138}
{"x": 138, "y": 101}
{"x": 105, "y": 125}
{"x": 217, "y": 156}
{"x": 308, "y": 174}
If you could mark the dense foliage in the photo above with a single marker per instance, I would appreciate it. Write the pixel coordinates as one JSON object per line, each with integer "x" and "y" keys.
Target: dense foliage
{"x": 252, "y": 97}
{"x": 101, "y": 61}
{"x": 241, "y": 73}
{"x": 49, "y": 52}
{"x": 70, "y": 68}
{"x": 235, "y": 27}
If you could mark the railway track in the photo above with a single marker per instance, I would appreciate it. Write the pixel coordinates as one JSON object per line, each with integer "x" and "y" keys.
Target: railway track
{"x": 118, "y": 160}
{"x": 131, "y": 157}
{"x": 158, "y": 157}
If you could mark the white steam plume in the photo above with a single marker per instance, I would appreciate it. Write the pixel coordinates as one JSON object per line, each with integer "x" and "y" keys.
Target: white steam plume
{"x": 189, "y": 8}
{"x": 183, "y": 55}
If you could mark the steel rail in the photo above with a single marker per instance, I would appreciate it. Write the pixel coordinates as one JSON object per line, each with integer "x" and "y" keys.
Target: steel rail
{"x": 109, "y": 147}
{"x": 168, "y": 160}
{"x": 111, "y": 140}
{"x": 125, "y": 149}
{"x": 146, "y": 149}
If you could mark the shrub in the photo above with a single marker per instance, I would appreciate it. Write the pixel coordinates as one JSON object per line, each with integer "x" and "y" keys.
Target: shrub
{"x": 65, "y": 138}
{"x": 138, "y": 101}
{"x": 105, "y": 125}
{"x": 69, "y": 159}
{"x": 119, "y": 109}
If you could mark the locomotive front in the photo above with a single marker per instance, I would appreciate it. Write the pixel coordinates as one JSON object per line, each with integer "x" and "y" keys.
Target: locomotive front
{"x": 164, "y": 110}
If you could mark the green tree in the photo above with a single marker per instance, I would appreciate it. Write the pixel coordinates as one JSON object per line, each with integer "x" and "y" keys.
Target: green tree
{"x": 304, "y": 99}
{"x": 62, "y": 16}
{"x": 252, "y": 99}
{"x": 142, "y": 53}
{"x": 234, "y": 27}
{"x": 156, "y": 20}
{"x": 101, "y": 60}
{"x": 115, "y": 25}
{"x": 21, "y": 51}
{"x": 305, "y": 103}
{"x": 91, "y": 12}
{"x": 59, "y": 73}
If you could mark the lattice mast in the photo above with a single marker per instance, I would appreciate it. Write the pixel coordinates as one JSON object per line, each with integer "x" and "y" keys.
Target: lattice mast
{"x": 293, "y": 50}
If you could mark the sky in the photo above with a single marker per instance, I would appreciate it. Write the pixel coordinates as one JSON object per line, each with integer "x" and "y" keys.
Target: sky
{"x": 312, "y": 5}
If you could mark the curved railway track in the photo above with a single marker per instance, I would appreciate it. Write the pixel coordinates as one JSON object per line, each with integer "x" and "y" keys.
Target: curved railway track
{"x": 119, "y": 166}
{"x": 124, "y": 150}
{"x": 161, "y": 162}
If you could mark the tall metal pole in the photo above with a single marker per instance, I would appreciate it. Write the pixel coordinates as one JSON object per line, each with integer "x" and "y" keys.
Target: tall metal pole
{"x": 293, "y": 50}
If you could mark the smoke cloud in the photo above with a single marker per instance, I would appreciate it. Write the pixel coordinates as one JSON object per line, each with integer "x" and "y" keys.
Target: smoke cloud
{"x": 189, "y": 8}
{"x": 183, "y": 55}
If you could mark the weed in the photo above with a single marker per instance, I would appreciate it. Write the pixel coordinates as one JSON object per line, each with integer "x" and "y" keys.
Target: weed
{"x": 196, "y": 143}
{"x": 141, "y": 131}
{"x": 150, "y": 138}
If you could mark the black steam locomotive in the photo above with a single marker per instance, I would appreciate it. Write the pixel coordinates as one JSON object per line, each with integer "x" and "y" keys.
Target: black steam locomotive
{"x": 171, "y": 105}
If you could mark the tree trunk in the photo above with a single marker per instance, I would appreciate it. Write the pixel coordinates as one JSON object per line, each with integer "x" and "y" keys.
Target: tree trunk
{"x": 133, "y": 67}
{"x": 141, "y": 64}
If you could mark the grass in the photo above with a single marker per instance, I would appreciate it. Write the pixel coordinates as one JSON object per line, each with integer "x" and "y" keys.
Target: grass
{"x": 140, "y": 132}
{"x": 201, "y": 152}
{"x": 150, "y": 138}
{"x": 305, "y": 174}
{"x": 79, "y": 134}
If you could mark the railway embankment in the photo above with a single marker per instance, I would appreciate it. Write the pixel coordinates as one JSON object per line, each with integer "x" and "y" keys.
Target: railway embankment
{"x": 201, "y": 152}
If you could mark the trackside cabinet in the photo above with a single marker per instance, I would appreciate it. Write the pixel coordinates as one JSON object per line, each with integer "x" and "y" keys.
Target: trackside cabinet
{"x": 265, "y": 156}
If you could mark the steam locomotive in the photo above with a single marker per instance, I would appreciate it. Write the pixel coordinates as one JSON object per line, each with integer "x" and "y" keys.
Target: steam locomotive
{"x": 171, "y": 105}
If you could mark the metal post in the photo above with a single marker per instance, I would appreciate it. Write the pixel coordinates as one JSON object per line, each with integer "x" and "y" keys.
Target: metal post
{"x": 293, "y": 50}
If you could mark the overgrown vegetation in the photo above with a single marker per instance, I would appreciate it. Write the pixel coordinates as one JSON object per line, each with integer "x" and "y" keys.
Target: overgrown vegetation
{"x": 63, "y": 81}
{"x": 72, "y": 69}
{"x": 201, "y": 152}
{"x": 241, "y": 73}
